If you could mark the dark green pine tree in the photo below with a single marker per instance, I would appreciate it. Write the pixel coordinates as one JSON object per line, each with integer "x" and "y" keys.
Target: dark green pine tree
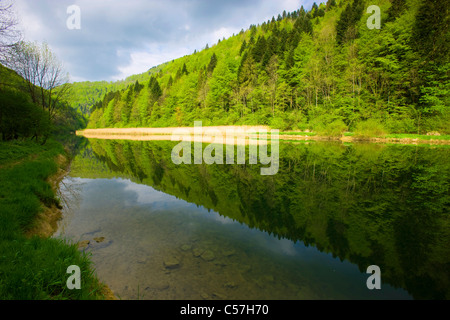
{"x": 155, "y": 89}
{"x": 330, "y": 4}
{"x": 170, "y": 82}
{"x": 243, "y": 47}
{"x": 290, "y": 58}
{"x": 314, "y": 9}
{"x": 346, "y": 25}
{"x": 212, "y": 63}
{"x": 396, "y": 9}
{"x": 108, "y": 97}
{"x": 137, "y": 87}
{"x": 342, "y": 25}
{"x": 357, "y": 11}
{"x": 184, "y": 71}
{"x": 320, "y": 12}
{"x": 431, "y": 40}
{"x": 259, "y": 49}
{"x": 241, "y": 65}
{"x": 431, "y": 36}
{"x": 303, "y": 23}
{"x": 151, "y": 82}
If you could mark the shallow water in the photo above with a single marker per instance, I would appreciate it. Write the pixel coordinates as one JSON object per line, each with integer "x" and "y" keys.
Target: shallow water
{"x": 155, "y": 235}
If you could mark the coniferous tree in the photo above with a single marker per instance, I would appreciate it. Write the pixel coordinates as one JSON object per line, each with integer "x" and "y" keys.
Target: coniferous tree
{"x": 184, "y": 71}
{"x": 243, "y": 47}
{"x": 170, "y": 82}
{"x": 396, "y": 9}
{"x": 303, "y": 23}
{"x": 155, "y": 88}
{"x": 346, "y": 25}
{"x": 431, "y": 40}
{"x": 212, "y": 63}
{"x": 330, "y": 4}
{"x": 314, "y": 9}
{"x": 431, "y": 37}
{"x": 259, "y": 48}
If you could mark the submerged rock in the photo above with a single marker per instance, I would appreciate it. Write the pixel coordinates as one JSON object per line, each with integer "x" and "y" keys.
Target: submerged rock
{"x": 229, "y": 252}
{"x": 99, "y": 239}
{"x": 171, "y": 262}
{"x": 83, "y": 244}
{"x": 197, "y": 252}
{"x": 208, "y": 255}
{"x": 186, "y": 247}
{"x": 231, "y": 285}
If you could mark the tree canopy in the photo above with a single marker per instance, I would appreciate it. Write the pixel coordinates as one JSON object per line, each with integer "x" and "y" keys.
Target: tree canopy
{"x": 305, "y": 70}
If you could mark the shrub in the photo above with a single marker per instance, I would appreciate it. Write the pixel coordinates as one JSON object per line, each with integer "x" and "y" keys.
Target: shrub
{"x": 278, "y": 123}
{"x": 334, "y": 129}
{"x": 403, "y": 125}
{"x": 20, "y": 118}
{"x": 370, "y": 128}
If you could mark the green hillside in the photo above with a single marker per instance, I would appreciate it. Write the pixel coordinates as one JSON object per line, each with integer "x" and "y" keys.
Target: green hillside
{"x": 320, "y": 69}
{"x": 84, "y": 95}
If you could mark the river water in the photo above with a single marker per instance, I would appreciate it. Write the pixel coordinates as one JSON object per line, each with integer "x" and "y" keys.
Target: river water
{"x": 162, "y": 231}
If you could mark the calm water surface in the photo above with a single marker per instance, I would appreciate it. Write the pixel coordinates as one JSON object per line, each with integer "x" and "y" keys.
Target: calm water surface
{"x": 162, "y": 231}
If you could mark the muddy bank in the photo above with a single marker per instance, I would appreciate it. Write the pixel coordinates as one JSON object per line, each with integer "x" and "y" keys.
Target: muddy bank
{"x": 46, "y": 223}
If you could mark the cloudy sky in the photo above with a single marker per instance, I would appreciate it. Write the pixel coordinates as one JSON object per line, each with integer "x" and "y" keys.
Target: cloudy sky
{"x": 118, "y": 38}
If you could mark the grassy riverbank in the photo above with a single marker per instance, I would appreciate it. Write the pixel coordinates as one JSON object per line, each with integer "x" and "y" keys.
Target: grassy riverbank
{"x": 33, "y": 265}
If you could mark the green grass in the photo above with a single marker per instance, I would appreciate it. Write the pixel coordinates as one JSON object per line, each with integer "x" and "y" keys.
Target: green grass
{"x": 388, "y": 136}
{"x": 417, "y": 136}
{"x": 296, "y": 133}
{"x": 34, "y": 268}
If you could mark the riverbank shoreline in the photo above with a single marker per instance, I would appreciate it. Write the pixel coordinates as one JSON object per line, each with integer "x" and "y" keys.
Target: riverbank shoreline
{"x": 29, "y": 215}
{"x": 150, "y": 134}
{"x": 47, "y": 222}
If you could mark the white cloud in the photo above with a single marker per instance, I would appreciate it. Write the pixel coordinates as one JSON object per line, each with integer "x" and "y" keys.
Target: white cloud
{"x": 120, "y": 38}
{"x": 224, "y": 33}
{"x": 142, "y": 61}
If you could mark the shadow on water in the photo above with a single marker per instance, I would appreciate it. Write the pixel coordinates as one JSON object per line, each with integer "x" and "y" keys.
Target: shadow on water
{"x": 226, "y": 232}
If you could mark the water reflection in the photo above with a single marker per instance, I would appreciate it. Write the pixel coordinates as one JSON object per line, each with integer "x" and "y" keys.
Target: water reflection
{"x": 212, "y": 232}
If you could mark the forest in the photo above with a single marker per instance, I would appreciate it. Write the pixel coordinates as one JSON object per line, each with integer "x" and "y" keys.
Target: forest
{"x": 321, "y": 70}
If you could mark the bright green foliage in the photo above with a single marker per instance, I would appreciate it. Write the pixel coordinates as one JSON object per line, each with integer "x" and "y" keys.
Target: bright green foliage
{"x": 34, "y": 268}
{"x": 292, "y": 70}
{"x": 370, "y": 128}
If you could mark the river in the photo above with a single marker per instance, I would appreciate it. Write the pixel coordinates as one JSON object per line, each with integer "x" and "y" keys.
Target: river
{"x": 164, "y": 231}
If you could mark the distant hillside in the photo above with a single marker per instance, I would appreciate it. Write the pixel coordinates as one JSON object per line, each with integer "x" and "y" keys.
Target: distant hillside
{"x": 321, "y": 69}
{"x": 87, "y": 93}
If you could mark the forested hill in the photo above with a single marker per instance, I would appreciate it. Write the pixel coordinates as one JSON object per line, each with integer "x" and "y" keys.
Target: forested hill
{"x": 315, "y": 68}
{"x": 87, "y": 93}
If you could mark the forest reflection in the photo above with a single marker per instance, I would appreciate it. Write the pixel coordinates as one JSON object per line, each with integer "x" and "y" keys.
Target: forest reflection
{"x": 369, "y": 204}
